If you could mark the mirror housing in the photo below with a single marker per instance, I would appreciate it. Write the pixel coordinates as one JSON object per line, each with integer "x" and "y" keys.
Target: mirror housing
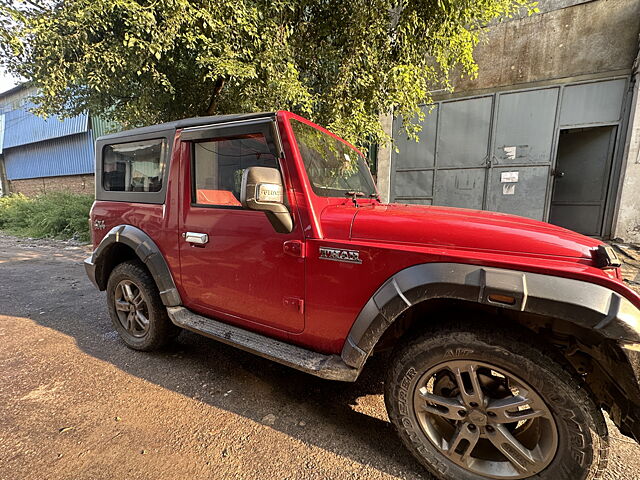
{"x": 262, "y": 189}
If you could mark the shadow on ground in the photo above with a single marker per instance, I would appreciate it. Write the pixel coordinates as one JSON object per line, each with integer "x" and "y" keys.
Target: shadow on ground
{"x": 50, "y": 287}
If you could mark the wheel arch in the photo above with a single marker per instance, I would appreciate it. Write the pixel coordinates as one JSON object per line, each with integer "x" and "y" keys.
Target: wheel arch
{"x": 586, "y": 322}
{"x": 126, "y": 242}
{"x": 585, "y": 304}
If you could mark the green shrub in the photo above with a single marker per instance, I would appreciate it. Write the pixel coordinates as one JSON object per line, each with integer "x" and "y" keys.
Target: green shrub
{"x": 15, "y": 212}
{"x": 53, "y": 215}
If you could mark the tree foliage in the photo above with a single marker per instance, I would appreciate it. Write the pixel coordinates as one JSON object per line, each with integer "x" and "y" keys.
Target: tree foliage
{"x": 338, "y": 62}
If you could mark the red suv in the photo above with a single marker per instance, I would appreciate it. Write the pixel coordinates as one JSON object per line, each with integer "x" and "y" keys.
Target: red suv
{"x": 265, "y": 231}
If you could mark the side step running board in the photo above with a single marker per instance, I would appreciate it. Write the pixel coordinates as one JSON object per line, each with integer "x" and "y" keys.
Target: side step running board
{"x": 330, "y": 367}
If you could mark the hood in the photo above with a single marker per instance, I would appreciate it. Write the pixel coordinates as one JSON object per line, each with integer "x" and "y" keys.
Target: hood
{"x": 467, "y": 229}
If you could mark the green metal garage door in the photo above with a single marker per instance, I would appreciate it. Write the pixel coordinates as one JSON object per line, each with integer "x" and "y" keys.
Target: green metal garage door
{"x": 497, "y": 151}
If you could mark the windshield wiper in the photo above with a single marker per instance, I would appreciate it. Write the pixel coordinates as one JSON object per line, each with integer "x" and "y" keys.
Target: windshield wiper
{"x": 354, "y": 197}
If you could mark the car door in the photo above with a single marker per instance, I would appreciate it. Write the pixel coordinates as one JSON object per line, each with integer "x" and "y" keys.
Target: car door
{"x": 234, "y": 265}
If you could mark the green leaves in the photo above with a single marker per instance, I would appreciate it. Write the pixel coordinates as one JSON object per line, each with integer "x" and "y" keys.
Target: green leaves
{"x": 339, "y": 62}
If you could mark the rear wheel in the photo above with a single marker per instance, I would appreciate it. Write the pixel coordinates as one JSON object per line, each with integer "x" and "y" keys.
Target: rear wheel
{"x": 135, "y": 307}
{"x": 473, "y": 405}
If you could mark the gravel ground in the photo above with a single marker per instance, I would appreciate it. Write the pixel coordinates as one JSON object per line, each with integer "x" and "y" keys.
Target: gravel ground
{"x": 77, "y": 404}
{"x": 630, "y": 257}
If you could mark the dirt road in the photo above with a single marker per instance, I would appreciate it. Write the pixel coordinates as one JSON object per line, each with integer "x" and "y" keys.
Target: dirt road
{"x": 76, "y": 404}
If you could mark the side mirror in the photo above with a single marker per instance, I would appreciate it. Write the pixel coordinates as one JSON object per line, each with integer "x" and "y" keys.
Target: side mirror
{"x": 262, "y": 189}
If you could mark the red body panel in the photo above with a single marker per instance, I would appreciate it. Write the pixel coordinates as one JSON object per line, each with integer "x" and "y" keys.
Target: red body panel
{"x": 158, "y": 221}
{"x": 232, "y": 276}
{"x": 337, "y": 291}
{"x": 245, "y": 275}
{"x": 473, "y": 230}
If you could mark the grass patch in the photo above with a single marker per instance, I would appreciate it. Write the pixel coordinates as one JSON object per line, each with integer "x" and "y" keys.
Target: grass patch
{"x": 52, "y": 215}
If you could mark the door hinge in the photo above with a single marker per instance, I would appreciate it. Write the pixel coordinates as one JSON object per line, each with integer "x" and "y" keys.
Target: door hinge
{"x": 294, "y": 302}
{"x": 294, "y": 248}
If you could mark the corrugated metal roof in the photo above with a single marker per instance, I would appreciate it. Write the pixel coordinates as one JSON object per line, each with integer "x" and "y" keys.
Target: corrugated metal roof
{"x": 22, "y": 127}
{"x": 69, "y": 155}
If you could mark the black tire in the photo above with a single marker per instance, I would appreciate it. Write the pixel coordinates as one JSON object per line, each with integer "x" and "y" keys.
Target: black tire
{"x": 580, "y": 446}
{"x": 159, "y": 329}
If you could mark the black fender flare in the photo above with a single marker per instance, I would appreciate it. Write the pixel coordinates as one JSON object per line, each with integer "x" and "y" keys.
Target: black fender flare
{"x": 145, "y": 249}
{"x": 583, "y": 303}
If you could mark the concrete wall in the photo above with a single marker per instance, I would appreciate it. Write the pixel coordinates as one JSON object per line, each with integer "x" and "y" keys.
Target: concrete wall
{"x": 581, "y": 41}
{"x": 627, "y": 223}
{"x": 384, "y": 161}
{"x": 15, "y": 97}
{"x": 71, "y": 183}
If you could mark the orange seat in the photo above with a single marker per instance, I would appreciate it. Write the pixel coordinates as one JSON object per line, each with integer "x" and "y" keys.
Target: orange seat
{"x": 216, "y": 197}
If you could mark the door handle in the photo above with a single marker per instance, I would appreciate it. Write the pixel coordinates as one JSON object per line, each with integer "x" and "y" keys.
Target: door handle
{"x": 196, "y": 238}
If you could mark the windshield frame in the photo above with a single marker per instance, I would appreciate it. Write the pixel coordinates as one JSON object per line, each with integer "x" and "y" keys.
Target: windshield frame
{"x": 363, "y": 171}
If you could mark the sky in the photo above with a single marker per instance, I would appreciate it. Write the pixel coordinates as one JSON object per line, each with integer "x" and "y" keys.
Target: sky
{"x": 6, "y": 81}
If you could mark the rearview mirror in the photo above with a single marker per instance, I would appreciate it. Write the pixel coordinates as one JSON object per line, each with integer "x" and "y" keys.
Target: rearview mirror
{"x": 262, "y": 189}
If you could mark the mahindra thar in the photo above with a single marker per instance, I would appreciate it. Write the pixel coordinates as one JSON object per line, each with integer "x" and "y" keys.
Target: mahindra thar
{"x": 508, "y": 336}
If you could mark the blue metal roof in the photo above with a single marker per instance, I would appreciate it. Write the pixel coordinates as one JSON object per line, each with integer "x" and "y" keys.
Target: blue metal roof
{"x": 69, "y": 155}
{"x": 22, "y": 127}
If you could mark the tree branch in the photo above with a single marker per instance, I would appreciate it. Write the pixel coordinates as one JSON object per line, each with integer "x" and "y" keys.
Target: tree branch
{"x": 40, "y": 8}
{"x": 217, "y": 88}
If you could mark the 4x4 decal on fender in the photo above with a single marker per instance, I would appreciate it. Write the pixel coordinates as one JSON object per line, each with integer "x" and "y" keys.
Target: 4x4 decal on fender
{"x": 340, "y": 255}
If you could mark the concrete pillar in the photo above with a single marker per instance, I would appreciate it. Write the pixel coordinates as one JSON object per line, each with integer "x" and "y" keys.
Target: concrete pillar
{"x": 384, "y": 160}
{"x": 627, "y": 225}
{"x": 4, "y": 184}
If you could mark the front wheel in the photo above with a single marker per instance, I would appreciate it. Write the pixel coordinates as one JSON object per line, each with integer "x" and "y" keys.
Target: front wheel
{"x": 473, "y": 404}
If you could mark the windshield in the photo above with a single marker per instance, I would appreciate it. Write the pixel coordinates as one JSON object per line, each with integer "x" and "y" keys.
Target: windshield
{"x": 334, "y": 168}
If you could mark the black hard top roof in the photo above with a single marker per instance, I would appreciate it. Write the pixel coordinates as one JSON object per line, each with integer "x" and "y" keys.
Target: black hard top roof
{"x": 187, "y": 122}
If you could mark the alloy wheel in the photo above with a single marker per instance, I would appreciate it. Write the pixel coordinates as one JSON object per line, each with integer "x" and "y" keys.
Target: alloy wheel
{"x": 131, "y": 308}
{"x": 486, "y": 420}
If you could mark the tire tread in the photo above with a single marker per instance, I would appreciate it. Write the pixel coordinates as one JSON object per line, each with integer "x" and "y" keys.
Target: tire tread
{"x": 517, "y": 343}
{"x": 162, "y": 330}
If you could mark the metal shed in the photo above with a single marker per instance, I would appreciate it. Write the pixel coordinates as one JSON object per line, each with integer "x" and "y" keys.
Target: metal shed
{"x": 34, "y": 147}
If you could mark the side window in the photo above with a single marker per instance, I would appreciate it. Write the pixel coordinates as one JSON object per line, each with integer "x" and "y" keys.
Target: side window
{"x": 134, "y": 166}
{"x": 218, "y": 165}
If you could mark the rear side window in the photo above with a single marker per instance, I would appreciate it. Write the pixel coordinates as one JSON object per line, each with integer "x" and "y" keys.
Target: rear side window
{"x": 218, "y": 165}
{"x": 134, "y": 166}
